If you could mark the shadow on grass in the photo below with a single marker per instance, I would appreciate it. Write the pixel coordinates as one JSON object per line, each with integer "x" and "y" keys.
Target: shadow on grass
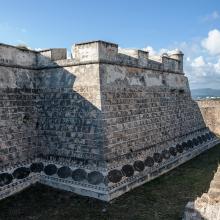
{"x": 161, "y": 199}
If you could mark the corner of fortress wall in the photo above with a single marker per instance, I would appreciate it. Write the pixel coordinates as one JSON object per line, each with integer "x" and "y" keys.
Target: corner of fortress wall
{"x": 100, "y": 124}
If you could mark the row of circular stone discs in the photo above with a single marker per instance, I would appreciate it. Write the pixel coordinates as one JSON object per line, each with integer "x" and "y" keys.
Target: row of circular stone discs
{"x": 96, "y": 177}
{"x": 115, "y": 175}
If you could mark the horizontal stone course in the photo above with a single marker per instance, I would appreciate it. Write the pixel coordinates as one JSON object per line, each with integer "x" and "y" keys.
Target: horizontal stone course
{"x": 98, "y": 125}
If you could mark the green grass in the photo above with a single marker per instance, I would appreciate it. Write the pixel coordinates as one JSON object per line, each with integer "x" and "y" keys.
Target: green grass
{"x": 161, "y": 199}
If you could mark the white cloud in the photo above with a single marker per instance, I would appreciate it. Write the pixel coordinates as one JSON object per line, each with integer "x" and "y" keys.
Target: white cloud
{"x": 217, "y": 66}
{"x": 212, "y": 42}
{"x": 198, "y": 62}
{"x": 68, "y": 54}
{"x": 188, "y": 59}
{"x": 203, "y": 74}
{"x": 38, "y": 49}
{"x": 150, "y": 50}
{"x": 201, "y": 64}
{"x": 153, "y": 52}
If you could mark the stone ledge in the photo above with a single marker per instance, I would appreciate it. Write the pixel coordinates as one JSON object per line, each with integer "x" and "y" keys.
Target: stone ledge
{"x": 95, "y": 188}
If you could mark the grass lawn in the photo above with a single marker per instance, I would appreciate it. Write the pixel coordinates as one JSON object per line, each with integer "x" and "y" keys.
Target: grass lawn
{"x": 161, "y": 199}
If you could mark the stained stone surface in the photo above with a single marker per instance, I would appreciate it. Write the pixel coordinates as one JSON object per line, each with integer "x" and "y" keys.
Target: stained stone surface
{"x": 50, "y": 169}
{"x": 115, "y": 176}
{"x": 128, "y": 170}
{"x": 64, "y": 172}
{"x": 100, "y": 124}
{"x": 95, "y": 178}
{"x": 79, "y": 175}
{"x": 5, "y": 179}
{"x": 210, "y": 110}
{"x": 139, "y": 165}
{"x": 149, "y": 161}
{"x": 37, "y": 167}
{"x": 21, "y": 173}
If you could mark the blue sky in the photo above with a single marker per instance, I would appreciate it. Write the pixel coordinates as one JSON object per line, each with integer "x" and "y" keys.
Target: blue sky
{"x": 159, "y": 25}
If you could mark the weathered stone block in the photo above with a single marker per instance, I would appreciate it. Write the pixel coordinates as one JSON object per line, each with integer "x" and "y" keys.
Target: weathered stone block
{"x": 98, "y": 125}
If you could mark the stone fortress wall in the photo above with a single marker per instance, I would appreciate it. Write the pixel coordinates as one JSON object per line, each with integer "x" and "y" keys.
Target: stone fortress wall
{"x": 99, "y": 124}
{"x": 210, "y": 110}
{"x": 208, "y": 205}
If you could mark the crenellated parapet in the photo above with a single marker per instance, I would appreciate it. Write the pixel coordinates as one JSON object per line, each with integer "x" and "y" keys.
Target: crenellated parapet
{"x": 88, "y": 52}
{"x": 99, "y": 123}
{"x": 100, "y": 51}
{"x": 15, "y": 56}
{"x": 25, "y": 58}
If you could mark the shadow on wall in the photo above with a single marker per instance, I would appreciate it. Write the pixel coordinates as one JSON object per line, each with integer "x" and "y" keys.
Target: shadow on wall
{"x": 210, "y": 109}
{"x": 69, "y": 125}
{"x": 51, "y": 120}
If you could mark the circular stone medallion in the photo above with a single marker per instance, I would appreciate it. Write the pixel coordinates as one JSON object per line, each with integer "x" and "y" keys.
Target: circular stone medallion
{"x": 50, "y": 169}
{"x": 200, "y": 139}
{"x": 138, "y": 165}
{"x": 204, "y": 138}
{"x": 195, "y": 142}
{"x": 190, "y": 143}
{"x": 157, "y": 157}
{"x": 95, "y": 178}
{"x": 179, "y": 148}
{"x": 173, "y": 151}
{"x": 64, "y": 172}
{"x": 5, "y": 179}
{"x": 21, "y": 173}
{"x": 114, "y": 176}
{"x": 127, "y": 170}
{"x": 79, "y": 175}
{"x": 36, "y": 167}
{"x": 185, "y": 146}
{"x": 149, "y": 162}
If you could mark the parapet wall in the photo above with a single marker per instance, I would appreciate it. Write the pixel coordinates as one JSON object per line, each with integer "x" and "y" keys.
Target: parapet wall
{"x": 99, "y": 124}
{"x": 95, "y": 51}
{"x": 101, "y": 51}
{"x": 13, "y": 56}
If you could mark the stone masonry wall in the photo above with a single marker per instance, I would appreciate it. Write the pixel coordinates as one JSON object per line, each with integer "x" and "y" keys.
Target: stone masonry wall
{"x": 19, "y": 138}
{"x": 208, "y": 205}
{"x": 100, "y": 124}
{"x": 147, "y": 114}
{"x": 143, "y": 108}
{"x": 18, "y": 116}
{"x": 69, "y": 109}
{"x": 210, "y": 110}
